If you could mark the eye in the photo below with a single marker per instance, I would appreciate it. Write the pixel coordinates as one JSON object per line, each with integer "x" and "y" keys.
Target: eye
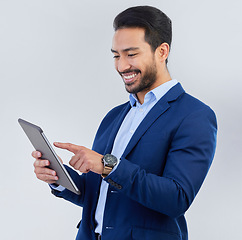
{"x": 116, "y": 56}
{"x": 132, "y": 55}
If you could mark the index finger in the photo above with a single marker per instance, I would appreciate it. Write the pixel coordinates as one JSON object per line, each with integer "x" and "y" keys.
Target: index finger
{"x": 68, "y": 146}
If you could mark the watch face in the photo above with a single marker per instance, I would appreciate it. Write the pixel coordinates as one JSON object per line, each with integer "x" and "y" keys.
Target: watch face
{"x": 110, "y": 160}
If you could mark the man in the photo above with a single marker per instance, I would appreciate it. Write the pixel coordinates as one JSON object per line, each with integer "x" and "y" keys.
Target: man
{"x": 151, "y": 154}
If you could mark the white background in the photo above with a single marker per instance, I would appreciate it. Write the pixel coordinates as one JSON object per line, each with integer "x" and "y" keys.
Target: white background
{"x": 56, "y": 70}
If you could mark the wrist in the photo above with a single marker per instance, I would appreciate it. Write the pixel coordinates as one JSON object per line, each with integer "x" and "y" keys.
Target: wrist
{"x": 109, "y": 162}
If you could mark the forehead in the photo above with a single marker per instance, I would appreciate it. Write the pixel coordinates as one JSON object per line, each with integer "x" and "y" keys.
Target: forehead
{"x": 129, "y": 38}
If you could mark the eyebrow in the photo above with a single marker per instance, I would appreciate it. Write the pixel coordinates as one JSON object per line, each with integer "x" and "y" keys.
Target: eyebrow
{"x": 125, "y": 50}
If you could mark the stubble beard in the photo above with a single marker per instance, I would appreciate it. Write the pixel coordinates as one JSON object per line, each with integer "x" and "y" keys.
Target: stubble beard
{"x": 146, "y": 82}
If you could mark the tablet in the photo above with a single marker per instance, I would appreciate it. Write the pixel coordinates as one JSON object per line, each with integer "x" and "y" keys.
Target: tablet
{"x": 40, "y": 143}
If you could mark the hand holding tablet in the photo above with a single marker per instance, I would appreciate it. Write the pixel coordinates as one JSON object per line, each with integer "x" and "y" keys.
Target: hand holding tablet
{"x": 42, "y": 170}
{"x": 42, "y": 145}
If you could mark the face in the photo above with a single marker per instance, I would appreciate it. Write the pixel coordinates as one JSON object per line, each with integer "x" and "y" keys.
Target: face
{"x": 134, "y": 60}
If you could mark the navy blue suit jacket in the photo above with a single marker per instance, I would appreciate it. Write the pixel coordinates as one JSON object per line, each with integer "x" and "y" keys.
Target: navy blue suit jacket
{"x": 159, "y": 175}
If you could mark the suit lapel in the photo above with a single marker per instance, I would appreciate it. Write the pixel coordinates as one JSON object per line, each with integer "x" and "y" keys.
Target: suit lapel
{"x": 150, "y": 118}
{"x": 160, "y": 107}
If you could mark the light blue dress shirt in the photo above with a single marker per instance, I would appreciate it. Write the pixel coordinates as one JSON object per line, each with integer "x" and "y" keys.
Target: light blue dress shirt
{"x": 132, "y": 120}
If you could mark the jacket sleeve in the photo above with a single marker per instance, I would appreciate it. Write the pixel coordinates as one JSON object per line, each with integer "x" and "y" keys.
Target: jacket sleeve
{"x": 188, "y": 160}
{"x": 67, "y": 194}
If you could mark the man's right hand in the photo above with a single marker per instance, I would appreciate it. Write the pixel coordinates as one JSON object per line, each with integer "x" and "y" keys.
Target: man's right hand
{"x": 41, "y": 171}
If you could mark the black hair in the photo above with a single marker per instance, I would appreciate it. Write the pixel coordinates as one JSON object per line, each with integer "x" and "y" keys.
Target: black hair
{"x": 157, "y": 25}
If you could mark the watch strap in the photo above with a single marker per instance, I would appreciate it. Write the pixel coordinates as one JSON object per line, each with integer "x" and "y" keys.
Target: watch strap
{"x": 106, "y": 171}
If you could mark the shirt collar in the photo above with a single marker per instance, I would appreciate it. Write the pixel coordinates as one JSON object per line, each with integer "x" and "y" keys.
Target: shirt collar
{"x": 156, "y": 93}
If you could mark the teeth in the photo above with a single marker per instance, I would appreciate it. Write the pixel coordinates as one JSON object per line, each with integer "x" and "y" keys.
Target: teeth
{"x": 130, "y": 76}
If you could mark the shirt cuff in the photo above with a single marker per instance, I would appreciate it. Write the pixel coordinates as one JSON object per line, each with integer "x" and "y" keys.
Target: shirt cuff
{"x": 115, "y": 167}
{"x": 57, "y": 187}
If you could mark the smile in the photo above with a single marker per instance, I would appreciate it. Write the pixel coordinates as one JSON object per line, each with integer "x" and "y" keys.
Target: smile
{"x": 128, "y": 77}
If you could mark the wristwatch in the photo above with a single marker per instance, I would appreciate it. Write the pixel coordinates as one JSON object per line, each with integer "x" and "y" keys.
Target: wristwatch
{"x": 109, "y": 161}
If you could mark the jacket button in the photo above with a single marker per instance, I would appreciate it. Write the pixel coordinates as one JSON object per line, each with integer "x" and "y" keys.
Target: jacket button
{"x": 111, "y": 182}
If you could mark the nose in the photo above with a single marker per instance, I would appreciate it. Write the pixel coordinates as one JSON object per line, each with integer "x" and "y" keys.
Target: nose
{"x": 123, "y": 64}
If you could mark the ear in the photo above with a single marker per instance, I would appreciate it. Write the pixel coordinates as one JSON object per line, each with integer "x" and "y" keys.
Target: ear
{"x": 162, "y": 52}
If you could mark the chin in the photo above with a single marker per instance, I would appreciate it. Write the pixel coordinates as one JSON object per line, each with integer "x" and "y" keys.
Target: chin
{"x": 132, "y": 88}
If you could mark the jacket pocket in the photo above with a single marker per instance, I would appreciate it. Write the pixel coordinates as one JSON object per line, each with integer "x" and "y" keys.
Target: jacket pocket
{"x": 150, "y": 234}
